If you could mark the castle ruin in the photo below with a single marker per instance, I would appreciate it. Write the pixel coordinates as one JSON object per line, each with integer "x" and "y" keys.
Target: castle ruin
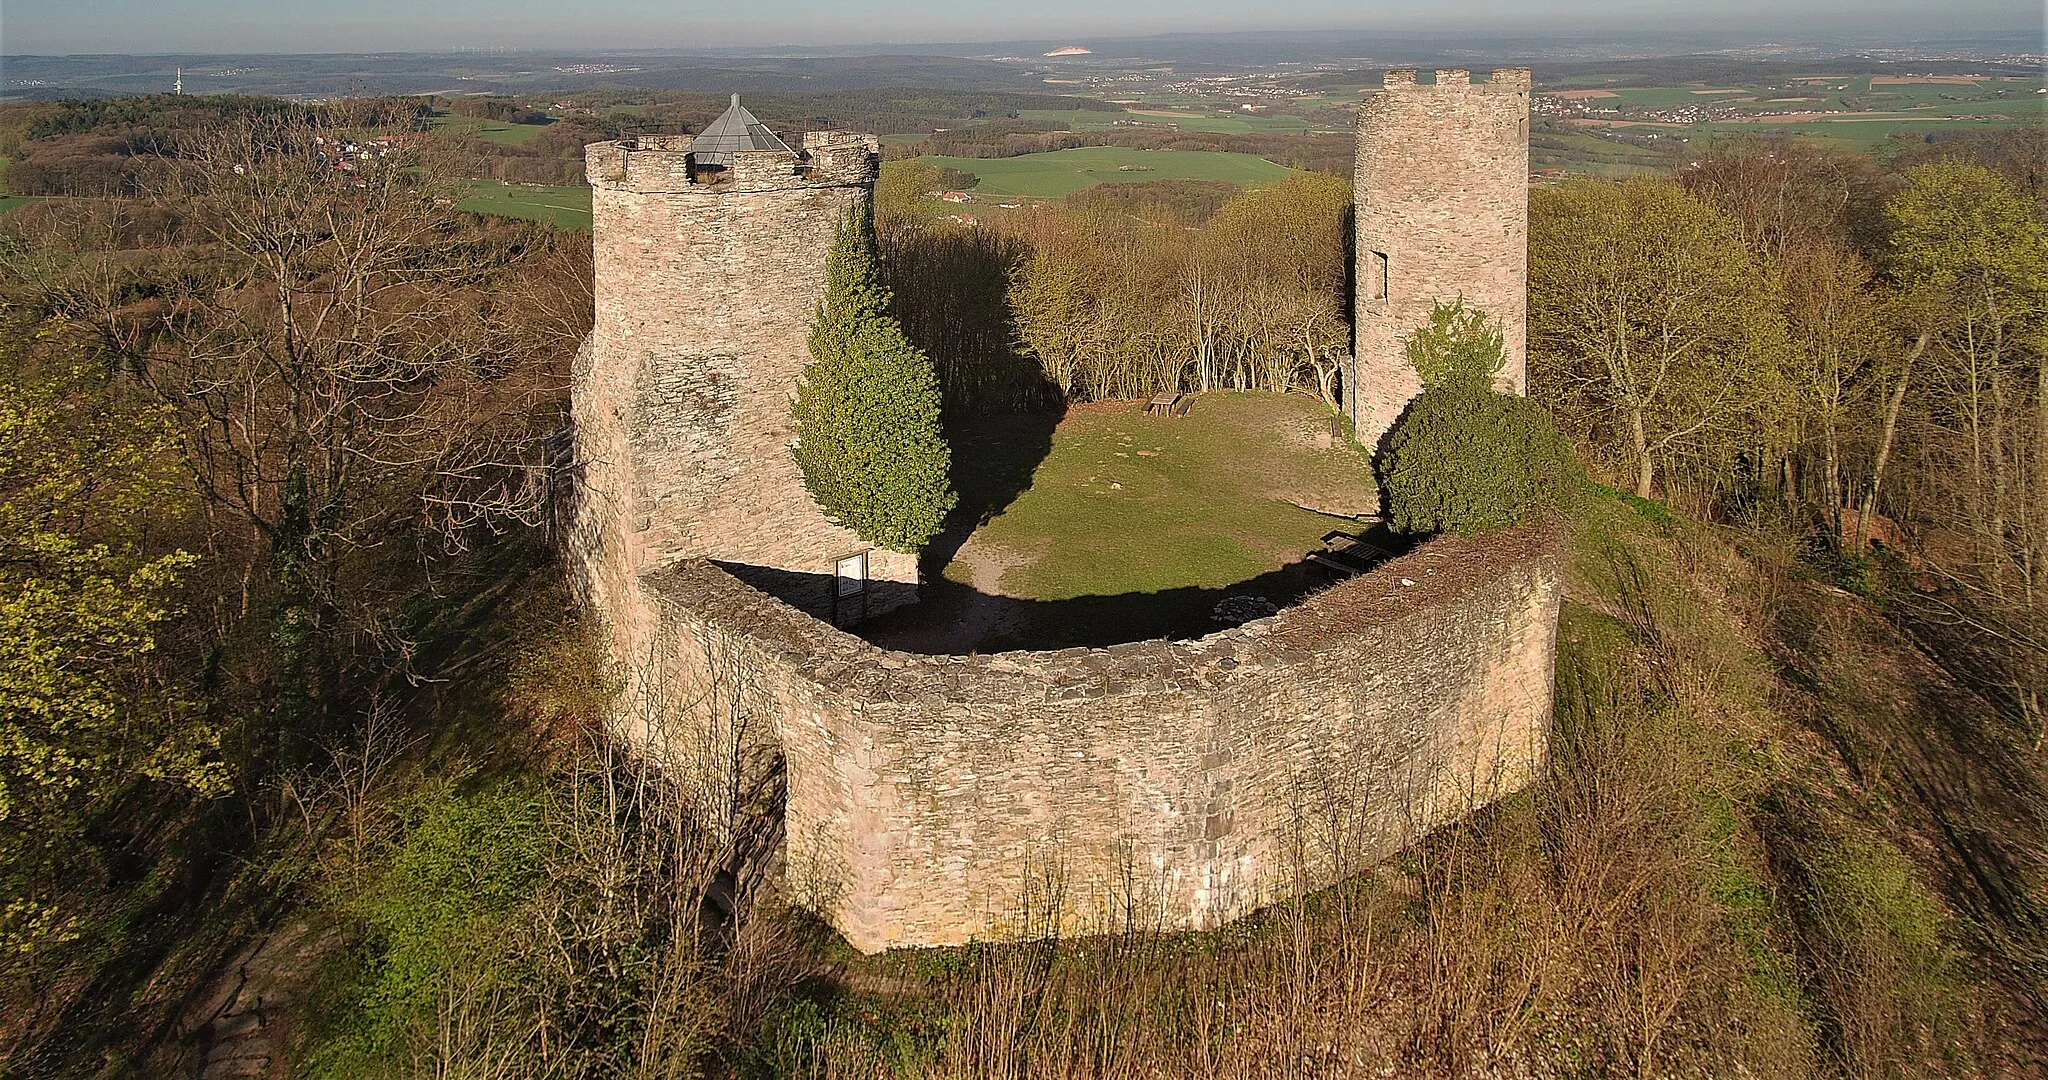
{"x": 1441, "y": 192}
{"x": 710, "y": 259}
{"x": 936, "y": 800}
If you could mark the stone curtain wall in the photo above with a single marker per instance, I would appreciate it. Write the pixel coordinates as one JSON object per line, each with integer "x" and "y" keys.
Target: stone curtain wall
{"x": 1442, "y": 191}
{"x": 933, "y": 800}
{"x": 707, "y": 285}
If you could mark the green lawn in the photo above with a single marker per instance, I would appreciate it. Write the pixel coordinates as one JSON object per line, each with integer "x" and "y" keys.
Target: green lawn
{"x": 496, "y": 131}
{"x": 1116, "y": 525}
{"x": 1060, "y": 173}
{"x": 9, "y": 202}
{"x": 1184, "y": 119}
{"x": 1127, "y": 502}
{"x": 565, "y": 207}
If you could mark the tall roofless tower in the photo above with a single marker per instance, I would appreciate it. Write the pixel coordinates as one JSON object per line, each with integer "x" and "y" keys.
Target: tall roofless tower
{"x": 710, "y": 264}
{"x": 1442, "y": 195}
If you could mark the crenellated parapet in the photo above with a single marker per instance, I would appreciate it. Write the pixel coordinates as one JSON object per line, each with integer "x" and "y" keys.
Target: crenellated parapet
{"x": 1442, "y": 212}
{"x": 924, "y": 799}
{"x": 710, "y": 253}
{"x": 1452, "y": 80}
{"x": 666, "y": 164}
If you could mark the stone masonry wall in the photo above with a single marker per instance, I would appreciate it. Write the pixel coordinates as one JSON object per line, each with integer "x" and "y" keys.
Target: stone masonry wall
{"x": 1189, "y": 782}
{"x": 1442, "y": 194}
{"x": 932, "y": 800}
{"x": 707, "y": 283}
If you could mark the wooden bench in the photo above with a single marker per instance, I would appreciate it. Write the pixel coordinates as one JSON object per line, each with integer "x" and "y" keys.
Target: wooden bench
{"x": 1168, "y": 405}
{"x": 1348, "y": 554}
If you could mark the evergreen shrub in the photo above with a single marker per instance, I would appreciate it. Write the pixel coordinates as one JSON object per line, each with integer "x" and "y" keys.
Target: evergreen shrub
{"x": 1465, "y": 458}
{"x": 869, "y": 442}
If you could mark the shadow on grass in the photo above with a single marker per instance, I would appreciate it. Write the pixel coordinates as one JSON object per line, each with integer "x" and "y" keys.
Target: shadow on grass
{"x": 994, "y": 461}
{"x": 188, "y": 883}
{"x": 952, "y": 618}
{"x": 1911, "y": 697}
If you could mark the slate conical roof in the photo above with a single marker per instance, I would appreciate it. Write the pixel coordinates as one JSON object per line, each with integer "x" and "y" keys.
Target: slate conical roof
{"x": 736, "y": 129}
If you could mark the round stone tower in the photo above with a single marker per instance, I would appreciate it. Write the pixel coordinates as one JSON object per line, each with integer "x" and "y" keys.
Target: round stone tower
{"x": 710, "y": 264}
{"x": 1442, "y": 195}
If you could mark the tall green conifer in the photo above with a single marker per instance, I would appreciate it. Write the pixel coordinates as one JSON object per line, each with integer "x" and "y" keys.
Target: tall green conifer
{"x": 869, "y": 443}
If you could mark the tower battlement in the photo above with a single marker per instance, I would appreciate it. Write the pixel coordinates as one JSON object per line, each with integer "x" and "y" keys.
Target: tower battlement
{"x": 670, "y": 163}
{"x": 920, "y": 795}
{"x": 1451, "y": 80}
{"x": 1442, "y": 197}
{"x": 710, "y": 254}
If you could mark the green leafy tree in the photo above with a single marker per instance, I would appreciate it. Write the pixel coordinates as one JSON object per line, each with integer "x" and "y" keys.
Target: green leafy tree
{"x": 1651, "y": 326}
{"x": 869, "y": 443}
{"x": 85, "y": 711}
{"x": 1458, "y": 348}
{"x": 1974, "y": 261}
{"x": 1465, "y": 458}
{"x": 439, "y": 914}
{"x": 905, "y": 189}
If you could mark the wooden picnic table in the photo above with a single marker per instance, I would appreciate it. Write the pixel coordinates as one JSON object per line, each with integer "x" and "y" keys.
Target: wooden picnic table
{"x": 1168, "y": 405}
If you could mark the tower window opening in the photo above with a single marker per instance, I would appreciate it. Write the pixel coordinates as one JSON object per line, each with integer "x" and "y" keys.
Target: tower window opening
{"x": 1376, "y": 277}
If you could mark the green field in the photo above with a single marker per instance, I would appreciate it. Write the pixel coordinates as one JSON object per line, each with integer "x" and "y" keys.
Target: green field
{"x": 1590, "y": 155}
{"x": 496, "y": 131}
{"x": 1855, "y": 136}
{"x": 1846, "y": 132}
{"x": 564, "y": 207}
{"x": 9, "y": 202}
{"x": 1183, "y": 119}
{"x": 1849, "y": 114}
{"x": 1060, "y": 173}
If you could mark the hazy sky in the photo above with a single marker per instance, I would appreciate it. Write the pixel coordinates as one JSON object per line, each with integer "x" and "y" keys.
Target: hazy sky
{"x": 159, "y": 26}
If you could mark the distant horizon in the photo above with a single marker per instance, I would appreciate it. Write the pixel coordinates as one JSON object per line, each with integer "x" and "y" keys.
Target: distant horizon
{"x": 331, "y": 27}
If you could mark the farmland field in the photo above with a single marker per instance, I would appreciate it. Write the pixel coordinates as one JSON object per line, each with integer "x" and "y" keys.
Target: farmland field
{"x": 1590, "y": 155}
{"x": 497, "y": 131}
{"x": 1060, "y": 173}
{"x": 563, "y": 206}
{"x": 1183, "y": 119}
{"x": 1848, "y": 113}
{"x": 1852, "y": 134}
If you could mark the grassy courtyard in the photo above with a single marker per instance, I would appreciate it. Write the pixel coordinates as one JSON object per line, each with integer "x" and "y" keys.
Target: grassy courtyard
{"x": 1108, "y": 524}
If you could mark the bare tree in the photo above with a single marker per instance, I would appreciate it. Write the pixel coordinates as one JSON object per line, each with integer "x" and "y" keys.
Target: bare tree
{"x": 343, "y": 365}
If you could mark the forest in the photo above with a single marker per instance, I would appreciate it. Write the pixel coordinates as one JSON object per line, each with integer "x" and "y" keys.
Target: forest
{"x": 294, "y": 702}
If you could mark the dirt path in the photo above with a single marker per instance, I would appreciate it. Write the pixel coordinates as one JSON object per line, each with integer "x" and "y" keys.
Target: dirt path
{"x": 977, "y": 608}
{"x": 243, "y": 1030}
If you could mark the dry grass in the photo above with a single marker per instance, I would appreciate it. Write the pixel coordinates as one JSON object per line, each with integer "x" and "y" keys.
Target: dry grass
{"x": 1603, "y": 924}
{"x": 1693, "y": 889}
